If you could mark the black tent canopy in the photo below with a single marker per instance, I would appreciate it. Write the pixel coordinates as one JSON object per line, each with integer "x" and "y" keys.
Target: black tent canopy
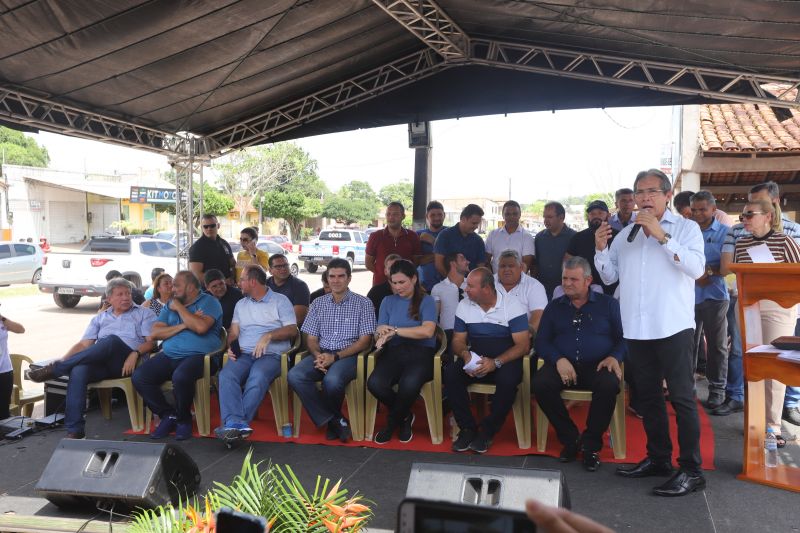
{"x": 233, "y": 73}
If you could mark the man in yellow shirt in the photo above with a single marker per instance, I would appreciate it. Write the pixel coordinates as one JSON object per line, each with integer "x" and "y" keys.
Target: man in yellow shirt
{"x": 250, "y": 253}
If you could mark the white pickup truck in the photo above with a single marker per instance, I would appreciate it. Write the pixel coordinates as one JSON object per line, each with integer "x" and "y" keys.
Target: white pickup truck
{"x": 349, "y": 244}
{"x": 70, "y": 276}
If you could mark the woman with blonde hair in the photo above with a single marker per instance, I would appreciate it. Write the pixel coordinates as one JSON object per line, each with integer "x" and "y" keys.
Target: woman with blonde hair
{"x": 761, "y": 221}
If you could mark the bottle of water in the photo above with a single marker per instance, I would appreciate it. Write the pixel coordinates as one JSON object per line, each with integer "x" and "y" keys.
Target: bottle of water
{"x": 453, "y": 428}
{"x": 771, "y": 449}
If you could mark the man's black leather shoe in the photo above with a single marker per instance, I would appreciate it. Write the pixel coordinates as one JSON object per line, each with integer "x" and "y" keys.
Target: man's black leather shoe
{"x": 591, "y": 461}
{"x": 681, "y": 484}
{"x": 728, "y": 408}
{"x": 792, "y": 415}
{"x": 569, "y": 452}
{"x": 714, "y": 402}
{"x": 646, "y": 468}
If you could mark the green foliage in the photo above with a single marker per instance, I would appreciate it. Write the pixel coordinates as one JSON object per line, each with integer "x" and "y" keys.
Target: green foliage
{"x": 214, "y": 202}
{"x": 402, "y": 192}
{"x": 355, "y": 202}
{"x": 248, "y": 175}
{"x": 349, "y": 211}
{"x": 272, "y": 492}
{"x": 536, "y": 208}
{"x": 19, "y": 149}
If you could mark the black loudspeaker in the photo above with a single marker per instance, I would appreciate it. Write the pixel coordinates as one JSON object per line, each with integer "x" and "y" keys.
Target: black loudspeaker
{"x": 499, "y": 487}
{"x": 127, "y": 475}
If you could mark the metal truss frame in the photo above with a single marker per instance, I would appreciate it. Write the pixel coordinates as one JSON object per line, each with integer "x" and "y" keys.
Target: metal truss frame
{"x": 694, "y": 81}
{"x": 426, "y": 20}
{"x": 446, "y": 46}
{"x": 19, "y": 107}
{"x": 188, "y": 166}
{"x": 325, "y": 102}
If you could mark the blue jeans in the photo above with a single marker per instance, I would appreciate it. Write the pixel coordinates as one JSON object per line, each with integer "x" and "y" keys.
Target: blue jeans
{"x": 734, "y": 388}
{"x": 101, "y": 360}
{"x": 183, "y": 372}
{"x": 243, "y": 383}
{"x": 325, "y": 405}
{"x": 792, "y": 398}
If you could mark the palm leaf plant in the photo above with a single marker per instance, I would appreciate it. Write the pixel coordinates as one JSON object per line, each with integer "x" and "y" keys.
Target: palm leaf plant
{"x": 273, "y": 492}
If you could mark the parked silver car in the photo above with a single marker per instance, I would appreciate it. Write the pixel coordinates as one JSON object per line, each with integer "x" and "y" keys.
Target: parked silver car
{"x": 20, "y": 262}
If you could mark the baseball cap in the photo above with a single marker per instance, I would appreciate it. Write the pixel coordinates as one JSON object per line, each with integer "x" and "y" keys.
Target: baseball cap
{"x": 597, "y": 204}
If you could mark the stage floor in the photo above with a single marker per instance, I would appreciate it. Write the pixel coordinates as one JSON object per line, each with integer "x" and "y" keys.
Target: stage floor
{"x": 382, "y": 475}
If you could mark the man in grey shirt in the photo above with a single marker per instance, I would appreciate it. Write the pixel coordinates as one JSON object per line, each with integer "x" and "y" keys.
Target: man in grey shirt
{"x": 265, "y": 325}
{"x": 551, "y": 245}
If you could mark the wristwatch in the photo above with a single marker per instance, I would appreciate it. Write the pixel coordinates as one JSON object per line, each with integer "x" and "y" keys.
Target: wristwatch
{"x": 665, "y": 240}
{"x": 709, "y": 271}
{"x": 498, "y": 363}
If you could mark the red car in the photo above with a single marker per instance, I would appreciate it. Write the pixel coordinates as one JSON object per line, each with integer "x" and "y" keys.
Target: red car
{"x": 282, "y": 240}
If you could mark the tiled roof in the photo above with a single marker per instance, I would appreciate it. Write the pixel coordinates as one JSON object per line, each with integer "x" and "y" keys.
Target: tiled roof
{"x": 747, "y": 128}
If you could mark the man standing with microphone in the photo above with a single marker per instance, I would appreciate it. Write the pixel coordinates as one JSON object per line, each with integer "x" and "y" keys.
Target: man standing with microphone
{"x": 656, "y": 262}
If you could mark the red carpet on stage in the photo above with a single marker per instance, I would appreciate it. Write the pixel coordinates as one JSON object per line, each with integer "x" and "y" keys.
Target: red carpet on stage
{"x": 505, "y": 442}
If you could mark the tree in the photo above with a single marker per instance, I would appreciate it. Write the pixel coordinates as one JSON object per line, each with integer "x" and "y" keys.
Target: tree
{"x": 248, "y": 174}
{"x": 294, "y": 207}
{"x": 354, "y": 202}
{"x": 348, "y": 211}
{"x": 402, "y": 192}
{"x": 18, "y": 149}
{"x": 298, "y": 198}
{"x": 214, "y": 202}
{"x": 536, "y": 208}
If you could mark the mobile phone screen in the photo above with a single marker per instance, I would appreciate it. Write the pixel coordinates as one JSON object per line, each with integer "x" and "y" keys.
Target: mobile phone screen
{"x": 434, "y": 517}
{"x": 230, "y": 521}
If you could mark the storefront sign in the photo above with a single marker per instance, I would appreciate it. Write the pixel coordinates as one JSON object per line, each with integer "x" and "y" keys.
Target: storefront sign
{"x": 149, "y": 195}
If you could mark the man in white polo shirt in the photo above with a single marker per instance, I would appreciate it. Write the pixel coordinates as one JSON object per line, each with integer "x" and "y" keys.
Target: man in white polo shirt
{"x": 265, "y": 324}
{"x": 511, "y": 281}
{"x": 449, "y": 292}
{"x": 510, "y": 236}
{"x": 495, "y": 327}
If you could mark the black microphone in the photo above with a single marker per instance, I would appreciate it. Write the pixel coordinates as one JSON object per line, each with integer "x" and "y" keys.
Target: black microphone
{"x": 634, "y": 232}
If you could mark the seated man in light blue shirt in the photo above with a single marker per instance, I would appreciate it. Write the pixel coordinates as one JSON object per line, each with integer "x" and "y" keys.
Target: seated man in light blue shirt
{"x": 190, "y": 324}
{"x": 111, "y": 344}
{"x": 264, "y": 322}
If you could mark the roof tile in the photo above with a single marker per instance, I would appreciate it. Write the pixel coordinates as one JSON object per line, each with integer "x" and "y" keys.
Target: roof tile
{"x": 748, "y": 128}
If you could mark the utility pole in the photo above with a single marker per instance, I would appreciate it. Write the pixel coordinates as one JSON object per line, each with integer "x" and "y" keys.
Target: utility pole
{"x": 419, "y": 138}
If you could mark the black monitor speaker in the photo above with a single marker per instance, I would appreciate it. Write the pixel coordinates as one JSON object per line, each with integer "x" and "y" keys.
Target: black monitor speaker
{"x": 127, "y": 475}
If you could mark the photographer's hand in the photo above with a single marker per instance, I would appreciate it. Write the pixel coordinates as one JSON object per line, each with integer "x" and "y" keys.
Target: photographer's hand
{"x": 557, "y": 520}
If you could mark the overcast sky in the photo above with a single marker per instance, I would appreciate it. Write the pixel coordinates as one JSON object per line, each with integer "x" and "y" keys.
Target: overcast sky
{"x": 545, "y": 155}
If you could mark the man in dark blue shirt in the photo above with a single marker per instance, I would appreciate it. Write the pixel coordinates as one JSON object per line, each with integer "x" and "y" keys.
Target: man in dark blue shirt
{"x": 580, "y": 340}
{"x": 282, "y": 282}
{"x": 428, "y": 276}
{"x": 461, "y": 239}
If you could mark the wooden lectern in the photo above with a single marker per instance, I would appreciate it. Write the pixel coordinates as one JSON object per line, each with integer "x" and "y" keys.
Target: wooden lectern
{"x": 779, "y": 282}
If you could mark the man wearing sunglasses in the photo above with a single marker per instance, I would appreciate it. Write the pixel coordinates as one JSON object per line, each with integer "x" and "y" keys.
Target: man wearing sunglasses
{"x": 656, "y": 267}
{"x": 580, "y": 341}
{"x": 212, "y": 251}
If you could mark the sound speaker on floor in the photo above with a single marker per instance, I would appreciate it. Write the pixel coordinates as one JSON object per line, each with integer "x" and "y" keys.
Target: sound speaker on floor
{"x": 500, "y": 487}
{"x": 127, "y": 475}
